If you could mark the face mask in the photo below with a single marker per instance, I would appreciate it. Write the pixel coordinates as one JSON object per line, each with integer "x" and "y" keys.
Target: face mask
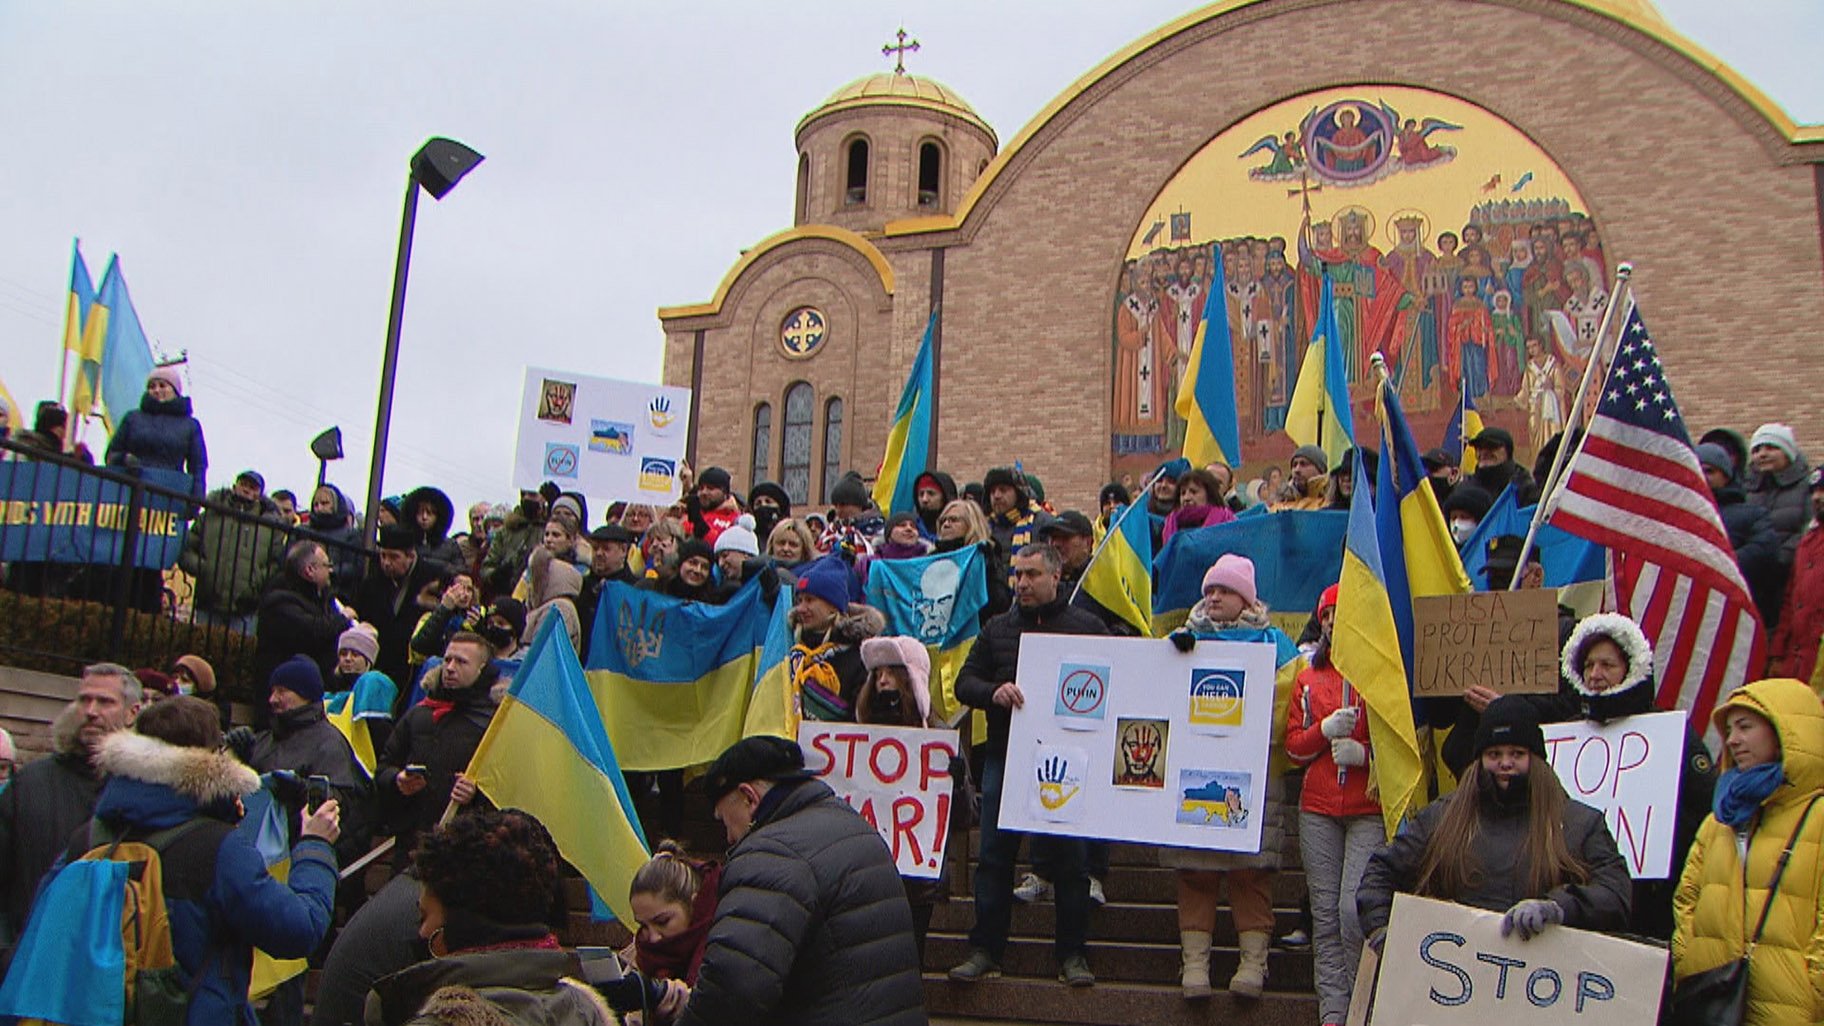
{"x": 1460, "y": 530}
{"x": 889, "y": 704}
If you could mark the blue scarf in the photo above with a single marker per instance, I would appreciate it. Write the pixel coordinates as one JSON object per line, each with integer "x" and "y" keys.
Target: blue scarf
{"x": 1740, "y": 792}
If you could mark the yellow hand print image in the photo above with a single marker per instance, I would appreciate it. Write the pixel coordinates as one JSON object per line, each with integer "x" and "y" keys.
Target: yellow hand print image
{"x": 1057, "y": 784}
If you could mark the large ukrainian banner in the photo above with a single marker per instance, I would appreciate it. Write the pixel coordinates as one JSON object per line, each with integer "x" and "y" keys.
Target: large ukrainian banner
{"x": 1129, "y": 739}
{"x": 608, "y": 439}
{"x": 55, "y": 515}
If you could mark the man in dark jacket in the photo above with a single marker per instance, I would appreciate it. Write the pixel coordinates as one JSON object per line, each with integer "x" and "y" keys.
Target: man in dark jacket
{"x": 232, "y": 555}
{"x": 394, "y": 596}
{"x": 812, "y": 925}
{"x": 608, "y": 547}
{"x": 303, "y": 741}
{"x": 48, "y": 799}
{"x": 1751, "y": 533}
{"x": 1496, "y": 468}
{"x": 298, "y": 616}
{"x": 513, "y": 543}
{"x": 421, "y": 770}
{"x": 988, "y": 682}
{"x": 1075, "y": 539}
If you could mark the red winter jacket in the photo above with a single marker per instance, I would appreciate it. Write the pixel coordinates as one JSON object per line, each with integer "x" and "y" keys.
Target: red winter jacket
{"x": 1795, "y": 640}
{"x": 1316, "y": 694}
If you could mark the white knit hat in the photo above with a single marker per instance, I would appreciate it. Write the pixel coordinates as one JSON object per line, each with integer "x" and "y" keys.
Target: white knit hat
{"x": 1777, "y": 435}
{"x": 739, "y": 537}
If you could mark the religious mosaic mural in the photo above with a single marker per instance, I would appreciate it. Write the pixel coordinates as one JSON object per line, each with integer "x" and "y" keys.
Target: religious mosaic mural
{"x": 1453, "y": 244}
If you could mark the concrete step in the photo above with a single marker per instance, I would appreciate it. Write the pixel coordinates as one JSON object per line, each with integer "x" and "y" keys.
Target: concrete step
{"x": 1152, "y": 884}
{"x": 1116, "y": 922}
{"x": 1026, "y": 1000}
{"x": 1129, "y": 962}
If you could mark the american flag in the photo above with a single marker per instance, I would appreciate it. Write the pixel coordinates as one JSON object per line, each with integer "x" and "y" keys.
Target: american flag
{"x": 1636, "y": 487}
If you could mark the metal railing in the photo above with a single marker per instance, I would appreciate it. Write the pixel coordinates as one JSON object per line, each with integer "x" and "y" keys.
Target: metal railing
{"x": 129, "y": 565}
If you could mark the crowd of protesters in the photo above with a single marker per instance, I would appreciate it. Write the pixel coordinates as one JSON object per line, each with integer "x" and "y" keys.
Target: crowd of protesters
{"x": 376, "y": 679}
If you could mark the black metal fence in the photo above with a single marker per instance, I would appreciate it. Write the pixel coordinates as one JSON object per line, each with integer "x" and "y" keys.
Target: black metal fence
{"x": 130, "y": 566}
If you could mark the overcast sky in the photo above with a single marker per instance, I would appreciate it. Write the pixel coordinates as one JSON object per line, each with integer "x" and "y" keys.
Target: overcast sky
{"x": 247, "y": 160}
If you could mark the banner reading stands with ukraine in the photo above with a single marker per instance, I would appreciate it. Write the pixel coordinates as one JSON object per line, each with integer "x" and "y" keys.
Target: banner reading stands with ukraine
{"x": 53, "y": 515}
{"x": 608, "y": 439}
{"x": 1129, "y": 739}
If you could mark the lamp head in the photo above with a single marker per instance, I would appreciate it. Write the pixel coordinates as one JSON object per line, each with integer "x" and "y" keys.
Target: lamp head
{"x": 328, "y": 445}
{"x": 440, "y": 163}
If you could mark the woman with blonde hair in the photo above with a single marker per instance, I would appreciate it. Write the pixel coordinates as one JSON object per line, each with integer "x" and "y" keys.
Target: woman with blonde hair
{"x": 961, "y": 523}
{"x": 791, "y": 544}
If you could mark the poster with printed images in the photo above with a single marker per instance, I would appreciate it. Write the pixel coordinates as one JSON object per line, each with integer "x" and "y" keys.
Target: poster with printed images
{"x": 1129, "y": 739}
{"x": 609, "y": 440}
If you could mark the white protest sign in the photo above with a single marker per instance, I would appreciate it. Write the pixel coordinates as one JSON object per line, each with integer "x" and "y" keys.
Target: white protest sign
{"x": 608, "y": 439}
{"x": 1629, "y": 768}
{"x": 1130, "y": 739}
{"x": 898, "y": 778}
{"x": 1446, "y": 964}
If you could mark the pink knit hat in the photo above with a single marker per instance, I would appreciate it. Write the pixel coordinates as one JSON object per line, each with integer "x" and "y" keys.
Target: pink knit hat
{"x": 1235, "y": 573}
{"x": 170, "y": 375}
{"x": 906, "y": 652}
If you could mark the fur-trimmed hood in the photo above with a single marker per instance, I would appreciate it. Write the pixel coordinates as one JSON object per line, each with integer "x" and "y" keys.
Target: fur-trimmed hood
{"x": 205, "y": 777}
{"x": 465, "y": 1006}
{"x": 1626, "y": 634}
{"x": 858, "y": 624}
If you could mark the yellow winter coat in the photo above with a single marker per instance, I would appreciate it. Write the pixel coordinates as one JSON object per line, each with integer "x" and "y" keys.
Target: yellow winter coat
{"x": 1713, "y": 920}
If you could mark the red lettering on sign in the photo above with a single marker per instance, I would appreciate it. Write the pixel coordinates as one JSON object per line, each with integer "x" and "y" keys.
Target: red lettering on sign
{"x": 887, "y": 744}
{"x": 934, "y": 762}
{"x": 852, "y": 740}
{"x": 907, "y": 812}
{"x": 820, "y": 743}
{"x": 1622, "y": 765}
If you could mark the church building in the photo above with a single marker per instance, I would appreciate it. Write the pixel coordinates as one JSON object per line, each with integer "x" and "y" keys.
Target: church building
{"x": 1462, "y": 179}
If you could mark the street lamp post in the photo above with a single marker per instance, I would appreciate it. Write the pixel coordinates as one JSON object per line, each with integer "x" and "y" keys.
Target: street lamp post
{"x": 437, "y": 166}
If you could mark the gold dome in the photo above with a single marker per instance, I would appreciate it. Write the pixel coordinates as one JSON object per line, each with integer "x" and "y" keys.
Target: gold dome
{"x": 890, "y": 89}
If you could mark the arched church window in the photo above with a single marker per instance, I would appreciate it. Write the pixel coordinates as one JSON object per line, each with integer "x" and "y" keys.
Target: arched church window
{"x": 804, "y": 187}
{"x": 930, "y": 174}
{"x": 763, "y": 441}
{"x": 795, "y": 448}
{"x": 832, "y": 445}
{"x": 857, "y": 193}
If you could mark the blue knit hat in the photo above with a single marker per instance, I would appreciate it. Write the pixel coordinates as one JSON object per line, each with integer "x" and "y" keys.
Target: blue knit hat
{"x": 831, "y": 580}
{"x": 1172, "y": 470}
{"x": 300, "y": 676}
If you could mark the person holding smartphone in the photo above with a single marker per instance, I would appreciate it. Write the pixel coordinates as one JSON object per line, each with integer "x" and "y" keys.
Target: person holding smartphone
{"x": 420, "y": 773}
{"x": 302, "y": 741}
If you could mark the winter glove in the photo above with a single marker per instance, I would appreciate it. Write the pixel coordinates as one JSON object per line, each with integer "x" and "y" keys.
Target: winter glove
{"x": 290, "y": 789}
{"x": 1183, "y": 639}
{"x": 240, "y": 742}
{"x": 1340, "y": 723}
{"x": 1531, "y": 917}
{"x": 1347, "y": 751}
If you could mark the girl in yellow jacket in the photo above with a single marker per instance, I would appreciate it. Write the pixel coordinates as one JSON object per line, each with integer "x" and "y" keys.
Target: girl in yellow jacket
{"x": 1773, "y": 739}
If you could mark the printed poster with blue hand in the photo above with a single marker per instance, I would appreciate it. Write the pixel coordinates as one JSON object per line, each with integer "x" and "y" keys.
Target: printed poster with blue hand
{"x": 1129, "y": 739}
{"x": 610, "y": 440}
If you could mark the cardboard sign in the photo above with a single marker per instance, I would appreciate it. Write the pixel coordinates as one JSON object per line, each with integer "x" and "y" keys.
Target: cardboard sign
{"x": 1446, "y": 964}
{"x": 1130, "y": 739}
{"x": 1504, "y": 640}
{"x": 604, "y": 438}
{"x": 1629, "y": 768}
{"x": 898, "y": 778}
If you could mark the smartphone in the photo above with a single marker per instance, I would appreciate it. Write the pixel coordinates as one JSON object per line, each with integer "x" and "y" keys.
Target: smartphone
{"x": 416, "y": 769}
{"x": 316, "y": 792}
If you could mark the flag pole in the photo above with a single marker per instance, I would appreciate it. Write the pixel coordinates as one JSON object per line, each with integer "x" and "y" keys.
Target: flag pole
{"x": 1133, "y": 504}
{"x": 1623, "y": 274}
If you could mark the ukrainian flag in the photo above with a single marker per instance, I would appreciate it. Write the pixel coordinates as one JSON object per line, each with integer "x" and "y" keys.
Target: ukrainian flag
{"x": 1206, "y": 396}
{"x": 264, "y": 825}
{"x": 545, "y": 752}
{"x": 773, "y": 708}
{"x": 1121, "y": 576}
{"x": 1319, "y": 413}
{"x": 673, "y": 679}
{"x": 1419, "y": 556}
{"x": 909, "y": 440}
{"x": 83, "y": 331}
{"x": 1366, "y": 646}
{"x": 1465, "y": 424}
{"x": 1567, "y": 559}
{"x": 1296, "y": 555}
{"x": 350, "y": 711}
{"x": 125, "y": 355}
{"x": 937, "y": 599}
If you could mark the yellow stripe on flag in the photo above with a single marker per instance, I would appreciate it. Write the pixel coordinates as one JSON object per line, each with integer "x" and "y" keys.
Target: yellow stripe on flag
{"x": 667, "y": 726}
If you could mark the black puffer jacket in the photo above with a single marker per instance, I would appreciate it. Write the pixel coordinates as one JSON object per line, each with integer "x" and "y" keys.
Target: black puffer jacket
{"x": 39, "y": 812}
{"x": 294, "y": 619}
{"x": 812, "y": 925}
{"x": 306, "y": 743}
{"x": 443, "y": 746}
{"x": 1786, "y": 496}
{"x": 995, "y": 659}
{"x": 1757, "y": 549}
{"x": 1498, "y": 847}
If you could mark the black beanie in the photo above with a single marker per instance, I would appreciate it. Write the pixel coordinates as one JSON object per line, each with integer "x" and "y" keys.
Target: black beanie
{"x": 715, "y": 477}
{"x": 850, "y": 491}
{"x": 1510, "y": 720}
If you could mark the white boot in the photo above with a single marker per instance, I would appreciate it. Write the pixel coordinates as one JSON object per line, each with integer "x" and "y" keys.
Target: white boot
{"x": 1195, "y": 947}
{"x": 1250, "y": 977}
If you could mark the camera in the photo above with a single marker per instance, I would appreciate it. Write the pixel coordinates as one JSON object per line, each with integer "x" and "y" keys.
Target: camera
{"x": 633, "y": 992}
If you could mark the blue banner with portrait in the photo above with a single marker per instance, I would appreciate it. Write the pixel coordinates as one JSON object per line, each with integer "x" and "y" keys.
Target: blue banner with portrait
{"x": 55, "y": 514}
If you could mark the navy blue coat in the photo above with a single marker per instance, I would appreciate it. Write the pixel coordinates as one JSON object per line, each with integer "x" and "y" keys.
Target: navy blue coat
{"x": 162, "y": 435}
{"x": 222, "y": 901}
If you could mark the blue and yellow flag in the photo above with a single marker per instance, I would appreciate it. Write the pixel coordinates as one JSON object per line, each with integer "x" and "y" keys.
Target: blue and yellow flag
{"x": 545, "y": 752}
{"x": 1319, "y": 413}
{"x": 1418, "y": 556}
{"x": 909, "y": 440}
{"x": 1367, "y": 650}
{"x": 84, "y": 329}
{"x": 265, "y": 828}
{"x": 673, "y": 678}
{"x": 1465, "y": 424}
{"x": 126, "y": 356}
{"x": 353, "y": 712}
{"x": 1567, "y": 559}
{"x": 1206, "y": 396}
{"x": 774, "y": 707}
{"x": 937, "y": 599}
{"x": 1121, "y": 575}
{"x": 1296, "y": 555}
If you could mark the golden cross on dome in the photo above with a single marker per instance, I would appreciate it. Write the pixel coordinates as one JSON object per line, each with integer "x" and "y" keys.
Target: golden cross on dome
{"x": 899, "y": 50}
